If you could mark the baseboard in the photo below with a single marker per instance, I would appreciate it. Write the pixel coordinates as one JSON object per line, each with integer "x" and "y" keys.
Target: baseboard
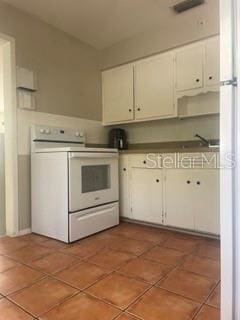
{"x": 194, "y": 233}
{"x": 22, "y": 232}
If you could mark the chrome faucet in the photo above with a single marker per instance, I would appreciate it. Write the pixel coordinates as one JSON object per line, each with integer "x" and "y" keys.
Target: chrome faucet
{"x": 206, "y": 142}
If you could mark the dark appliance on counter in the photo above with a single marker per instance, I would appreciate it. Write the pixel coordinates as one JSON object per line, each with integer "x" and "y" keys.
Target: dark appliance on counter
{"x": 118, "y": 139}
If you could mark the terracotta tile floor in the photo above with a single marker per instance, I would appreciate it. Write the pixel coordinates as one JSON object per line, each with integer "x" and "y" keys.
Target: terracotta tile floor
{"x": 130, "y": 272}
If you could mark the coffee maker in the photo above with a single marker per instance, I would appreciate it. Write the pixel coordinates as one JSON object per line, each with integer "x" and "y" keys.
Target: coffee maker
{"x": 118, "y": 139}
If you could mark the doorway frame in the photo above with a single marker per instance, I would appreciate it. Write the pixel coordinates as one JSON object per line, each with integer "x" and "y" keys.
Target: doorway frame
{"x": 229, "y": 144}
{"x": 11, "y": 136}
{"x": 237, "y": 173}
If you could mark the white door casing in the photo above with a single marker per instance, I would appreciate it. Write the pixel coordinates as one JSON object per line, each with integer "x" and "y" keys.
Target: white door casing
{"x": 227, "y": 146}
{"x": 236, "y": 73}
{"x": 11, "y": 147}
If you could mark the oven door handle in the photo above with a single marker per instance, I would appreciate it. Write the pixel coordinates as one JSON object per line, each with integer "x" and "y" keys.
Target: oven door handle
{"x": 91, "y": 155}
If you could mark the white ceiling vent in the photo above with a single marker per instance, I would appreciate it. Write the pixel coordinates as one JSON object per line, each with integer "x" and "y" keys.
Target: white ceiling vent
{"x": 186, "y": 5}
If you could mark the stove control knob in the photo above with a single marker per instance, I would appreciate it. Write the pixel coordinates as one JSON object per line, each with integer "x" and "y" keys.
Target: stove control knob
{"x": 42, "y": 131}
{"x": 48, "y": 131}
{"x": 77, "y": 134}
{"x": 81, "y": 134}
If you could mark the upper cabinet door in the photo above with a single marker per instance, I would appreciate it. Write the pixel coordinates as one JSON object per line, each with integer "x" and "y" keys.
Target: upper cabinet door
{"x": 212, "y": 62}
{"x": 154, "y": 87}
{"x": 117, "y": 90}
{"x": 189, "y": 67}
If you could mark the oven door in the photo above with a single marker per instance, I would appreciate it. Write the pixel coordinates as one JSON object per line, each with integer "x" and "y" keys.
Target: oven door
{"x": 93, "y": 179}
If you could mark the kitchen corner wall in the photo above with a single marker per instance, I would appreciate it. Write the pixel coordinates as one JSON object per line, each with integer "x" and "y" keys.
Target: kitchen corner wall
{"x": 67, "y": 71}
{"x": 184, "y": 28}
{"x": 69, "y": 87}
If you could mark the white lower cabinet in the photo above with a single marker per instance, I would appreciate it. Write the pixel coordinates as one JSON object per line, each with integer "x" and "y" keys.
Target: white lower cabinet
{"x": 179, "y": 204}
{"x": 192, "y": 199}
{"x": 181, "y": 198}
{"x": 146, "y": 190}
{"x": 207, "y": 193}
{"x": 124, "y": 187}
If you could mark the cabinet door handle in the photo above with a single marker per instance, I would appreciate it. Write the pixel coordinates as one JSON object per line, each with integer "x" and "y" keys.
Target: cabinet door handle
{"x": 188, "y": 181}
{"x": 157, "y": 180}
{"x": 198, "y": 182}
{"x": 197, "y": 80}
{"x": 138, "y": 109}
{"x": 144, "y": 161}
{"x": 124, "y": 169}
{"x": 210, "y": 77}
{"x": 130, "y": 110}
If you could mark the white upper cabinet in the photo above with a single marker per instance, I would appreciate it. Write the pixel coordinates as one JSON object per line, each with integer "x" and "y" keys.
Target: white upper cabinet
{"x": 212, "y": 62}
{"x": 151, "y": 88}
{"x": 189, "y": 67}
{"x": 154, "y": 87}
{"x": 118, "y": 94}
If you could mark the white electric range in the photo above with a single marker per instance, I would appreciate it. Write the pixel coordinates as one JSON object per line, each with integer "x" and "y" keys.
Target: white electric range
{"x": 74, "y": 188}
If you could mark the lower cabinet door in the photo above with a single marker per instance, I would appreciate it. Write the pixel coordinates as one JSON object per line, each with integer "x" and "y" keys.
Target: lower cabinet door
{"x": 124, "y": 187}
{"x": 147, "y": 195}
{"x": 180, "y": 204}
{"x": 207, "y": 185}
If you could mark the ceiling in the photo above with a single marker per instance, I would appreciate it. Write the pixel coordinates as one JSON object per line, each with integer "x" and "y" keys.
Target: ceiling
{"x": 102, "y": 23}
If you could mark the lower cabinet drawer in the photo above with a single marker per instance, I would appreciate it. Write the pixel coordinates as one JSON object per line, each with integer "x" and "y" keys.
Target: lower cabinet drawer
{"x": 147, "y": 160}
{"x": 90, "y": 221}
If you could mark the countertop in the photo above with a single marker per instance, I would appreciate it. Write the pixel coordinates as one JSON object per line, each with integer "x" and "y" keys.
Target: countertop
{"x": 165, "y": 147}
{"x": 171, "y": 147}
{"x": 169, "y": 150}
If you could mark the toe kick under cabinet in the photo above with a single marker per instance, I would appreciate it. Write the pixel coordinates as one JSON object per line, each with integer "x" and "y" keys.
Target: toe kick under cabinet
{"x": 176, "y": 191}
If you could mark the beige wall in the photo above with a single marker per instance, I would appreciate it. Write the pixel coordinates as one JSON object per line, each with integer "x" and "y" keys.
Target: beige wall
{"x": 67, "y": 70}
{"x": 173, "y": 129}
{"x": 182, "y": 29}
{"x": 1, "y": 80}
{"x": 2, "y": 187}
{"x": 1, "y": 122}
